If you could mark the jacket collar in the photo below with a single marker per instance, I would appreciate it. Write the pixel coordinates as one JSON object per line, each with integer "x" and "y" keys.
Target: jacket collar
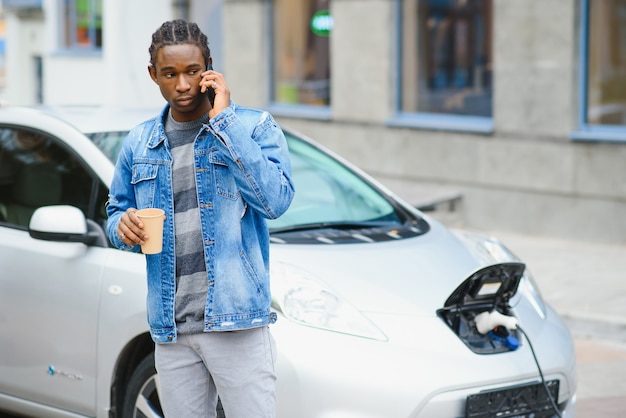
{"x": 157, "y": 136}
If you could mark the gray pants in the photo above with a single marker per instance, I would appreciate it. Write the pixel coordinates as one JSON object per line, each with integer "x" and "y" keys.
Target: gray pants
{"x": 239, "y": 365}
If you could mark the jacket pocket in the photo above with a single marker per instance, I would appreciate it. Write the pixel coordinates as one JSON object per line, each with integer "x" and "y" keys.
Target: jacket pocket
{"x": 251, "y": 274}
{"x": 144, "y": 182}
{"x": 225, "y": 185}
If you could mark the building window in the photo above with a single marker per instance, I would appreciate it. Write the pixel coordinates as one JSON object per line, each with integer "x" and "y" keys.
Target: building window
{"x": 301, "y": 59}
{"x": 605, "y": 103}
{"x": 83, "y": 24}
{"x": 446, "y": 57}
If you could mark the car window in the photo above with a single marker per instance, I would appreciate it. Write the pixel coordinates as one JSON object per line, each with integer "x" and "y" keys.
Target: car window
{"x": 36, "y": 170}
{"x": 109, "y": 143}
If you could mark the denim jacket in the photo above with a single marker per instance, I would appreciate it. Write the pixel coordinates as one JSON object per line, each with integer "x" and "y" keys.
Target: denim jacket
{"x": 243, "y": 176}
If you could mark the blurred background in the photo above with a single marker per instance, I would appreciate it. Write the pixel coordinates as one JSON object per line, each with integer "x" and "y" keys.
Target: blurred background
{"x": 507, "y": 115}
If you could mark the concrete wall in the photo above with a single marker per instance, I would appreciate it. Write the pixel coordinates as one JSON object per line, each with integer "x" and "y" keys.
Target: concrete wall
{"x": 362, "y": 54}
{"x": 527, "y": 176}
{"x": 246, "y": 51}
{"x": 25, "y": 41}
{"x": 535, "y": 67}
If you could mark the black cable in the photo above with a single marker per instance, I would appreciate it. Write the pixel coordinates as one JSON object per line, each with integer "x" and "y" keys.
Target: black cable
{"x": 543, "y": 380}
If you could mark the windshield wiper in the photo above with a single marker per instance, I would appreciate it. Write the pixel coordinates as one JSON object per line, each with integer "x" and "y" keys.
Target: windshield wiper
{"x": 332, "y": 225}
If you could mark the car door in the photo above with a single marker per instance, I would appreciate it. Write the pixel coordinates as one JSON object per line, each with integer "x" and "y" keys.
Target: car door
{"x": 49, "y": 291}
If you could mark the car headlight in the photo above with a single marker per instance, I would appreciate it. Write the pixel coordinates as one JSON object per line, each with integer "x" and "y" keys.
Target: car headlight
{"x": 529, "y": 290}
{"x": 302, "y": 298}
{"x": 490, "y": 250}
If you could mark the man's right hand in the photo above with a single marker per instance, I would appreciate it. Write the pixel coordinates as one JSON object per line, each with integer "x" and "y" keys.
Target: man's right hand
{"x": 130, "y": 228}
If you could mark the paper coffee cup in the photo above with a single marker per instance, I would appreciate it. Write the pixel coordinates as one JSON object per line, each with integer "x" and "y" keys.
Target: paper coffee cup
{"x": 152, "y": 219}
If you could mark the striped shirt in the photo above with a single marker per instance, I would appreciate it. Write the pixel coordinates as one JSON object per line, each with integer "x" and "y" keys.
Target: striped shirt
{"x": 191, "y": 274}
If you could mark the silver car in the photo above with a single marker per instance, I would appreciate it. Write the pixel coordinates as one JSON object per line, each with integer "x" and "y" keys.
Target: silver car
{"x": 383, "y": 312}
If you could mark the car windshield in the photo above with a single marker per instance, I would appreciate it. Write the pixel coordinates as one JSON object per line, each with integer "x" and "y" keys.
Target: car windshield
{"x": 328, "y": 193}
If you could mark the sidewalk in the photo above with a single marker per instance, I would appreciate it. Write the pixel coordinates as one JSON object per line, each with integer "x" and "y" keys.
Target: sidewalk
{"x": 584, "y": 282}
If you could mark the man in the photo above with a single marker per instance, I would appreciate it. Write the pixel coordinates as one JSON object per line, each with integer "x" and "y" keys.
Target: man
{"x": 218, "y": 170}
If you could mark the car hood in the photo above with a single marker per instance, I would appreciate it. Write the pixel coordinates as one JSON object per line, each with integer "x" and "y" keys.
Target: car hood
{"x": 413, "y": 276}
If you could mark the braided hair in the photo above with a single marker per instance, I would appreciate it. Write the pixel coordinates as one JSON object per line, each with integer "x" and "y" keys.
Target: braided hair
{"x": 176, "y": 32}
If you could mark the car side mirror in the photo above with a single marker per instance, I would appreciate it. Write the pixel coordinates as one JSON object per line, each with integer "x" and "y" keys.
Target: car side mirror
{"x": 61, "y": 223}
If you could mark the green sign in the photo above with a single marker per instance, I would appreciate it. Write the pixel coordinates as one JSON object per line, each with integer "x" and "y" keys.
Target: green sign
{"x": 322, "y": 23}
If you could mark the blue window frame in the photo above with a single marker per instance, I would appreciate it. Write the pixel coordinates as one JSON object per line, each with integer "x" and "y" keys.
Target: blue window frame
{"x": 445, "y": 65}
{"x": 602, "y": 106}
{"x": 22, "y": 4}
{"x": 82, "y": 25}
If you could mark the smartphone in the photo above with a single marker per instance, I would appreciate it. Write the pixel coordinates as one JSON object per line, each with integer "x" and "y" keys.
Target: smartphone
{"x": 209, "y": 91}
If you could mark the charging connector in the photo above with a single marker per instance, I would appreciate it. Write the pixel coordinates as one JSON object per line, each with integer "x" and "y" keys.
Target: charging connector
{"x": 487, "y": 321}
{"x": 502, "y": 334}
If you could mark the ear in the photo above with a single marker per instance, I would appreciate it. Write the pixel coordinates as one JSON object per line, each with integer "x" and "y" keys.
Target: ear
{"x": 152, "y": 72}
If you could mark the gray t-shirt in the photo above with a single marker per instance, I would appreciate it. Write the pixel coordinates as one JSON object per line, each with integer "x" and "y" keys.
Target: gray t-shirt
{"x": 191, "y": 274}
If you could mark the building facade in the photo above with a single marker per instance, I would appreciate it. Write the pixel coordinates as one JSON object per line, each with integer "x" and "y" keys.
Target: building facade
{"x": 518, "y": 105}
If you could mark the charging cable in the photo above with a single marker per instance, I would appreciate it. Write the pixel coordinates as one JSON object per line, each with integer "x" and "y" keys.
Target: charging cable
{"x": 486, "y": 322}
{"x": 543, "y": 380}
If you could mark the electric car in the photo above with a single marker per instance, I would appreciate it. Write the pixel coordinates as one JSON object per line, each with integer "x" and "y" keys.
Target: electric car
{"x": 382, "y": 311}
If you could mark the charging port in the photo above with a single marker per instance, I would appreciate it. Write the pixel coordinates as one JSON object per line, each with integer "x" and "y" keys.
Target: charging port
{"x": 486, "y": 291}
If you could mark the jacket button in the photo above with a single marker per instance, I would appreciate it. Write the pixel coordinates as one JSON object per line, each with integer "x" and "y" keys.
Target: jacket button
{"x": 170, "y": 338}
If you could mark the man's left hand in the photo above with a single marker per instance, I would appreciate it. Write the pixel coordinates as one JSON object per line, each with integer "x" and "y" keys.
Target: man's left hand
{"x": 213, "y": 80}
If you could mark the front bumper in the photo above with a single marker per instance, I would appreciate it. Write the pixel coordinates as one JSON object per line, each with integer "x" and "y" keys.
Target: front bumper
{"x": 423, "y": 370}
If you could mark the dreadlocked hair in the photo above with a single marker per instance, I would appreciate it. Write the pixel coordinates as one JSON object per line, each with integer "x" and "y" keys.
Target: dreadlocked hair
{"x": 176, "y": 32}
